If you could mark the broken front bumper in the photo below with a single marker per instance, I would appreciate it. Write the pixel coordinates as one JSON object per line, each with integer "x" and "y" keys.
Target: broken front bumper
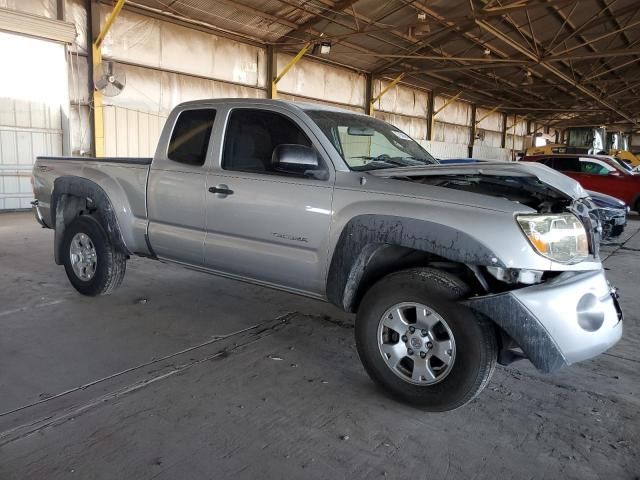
{"x": 570, "y": 318}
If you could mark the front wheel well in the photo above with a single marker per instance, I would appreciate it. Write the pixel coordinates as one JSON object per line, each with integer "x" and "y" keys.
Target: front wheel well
{"x": 388, "y": 259}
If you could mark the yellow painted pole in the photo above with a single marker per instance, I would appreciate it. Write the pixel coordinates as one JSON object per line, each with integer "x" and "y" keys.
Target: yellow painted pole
{"x": 294, "y": 60}
{"x": 107, "y": 25}
{"x": 446, "y": 104}
{"x": 98, "y": 111}
{"x": 493, "y": 110}
{"x": 393, "y": 83}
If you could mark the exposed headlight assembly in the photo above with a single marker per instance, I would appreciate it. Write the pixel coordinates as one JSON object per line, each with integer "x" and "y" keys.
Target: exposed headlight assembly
{"x": 559, "y": 237}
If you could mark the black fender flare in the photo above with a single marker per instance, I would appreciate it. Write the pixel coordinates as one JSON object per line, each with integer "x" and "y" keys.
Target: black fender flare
{"x": 97, "y": 200}
{"x": 365, "y": 235}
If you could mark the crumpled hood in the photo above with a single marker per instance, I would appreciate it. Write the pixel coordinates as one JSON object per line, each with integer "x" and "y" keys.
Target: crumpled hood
{"x": 547, "y": 175}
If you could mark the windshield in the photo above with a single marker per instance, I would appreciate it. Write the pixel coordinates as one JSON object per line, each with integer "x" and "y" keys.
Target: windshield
{"x": 624, "y": 165}
{"x": 367, "y": 144}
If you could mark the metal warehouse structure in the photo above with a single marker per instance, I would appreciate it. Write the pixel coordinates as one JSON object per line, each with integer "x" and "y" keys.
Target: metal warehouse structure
{"x": 462, "y": 77}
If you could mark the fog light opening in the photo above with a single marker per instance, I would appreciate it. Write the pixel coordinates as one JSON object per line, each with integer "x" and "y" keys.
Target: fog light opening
{"x": 590, "y": 315}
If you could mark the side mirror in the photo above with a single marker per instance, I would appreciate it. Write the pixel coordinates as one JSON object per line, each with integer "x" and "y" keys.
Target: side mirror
{"x": 296, "y": 160}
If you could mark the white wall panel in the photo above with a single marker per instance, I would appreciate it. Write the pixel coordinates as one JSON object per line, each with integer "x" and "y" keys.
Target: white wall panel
{"x": 131, "y": 133}
{"x": 80, "y": 124}
{"x": 197, "y": 59}
{"x": 321, "y": 81}
{"x": 448, "y": 150}
{"x": 74, "y": 12}
{"x": 491, "y": 139}
{"x": 238, "y": 62}
{"x": 515, "y": 142}
{"x": 415, "y": 127}
{"x": 492, "y": 122}
{"x": 43, "y": 8}
{"x": 482, "y": 152}
{"x": 458, "y": 113}
{"x": 143, "y": 90}
{"x": 134, "y": 118}
{"x": 400, "y": 99}
{"x": 444, "y": 132}
{"x": 78, "y": 70}
{"x": 294, "y": 98}
{"x": 148, "y": 41}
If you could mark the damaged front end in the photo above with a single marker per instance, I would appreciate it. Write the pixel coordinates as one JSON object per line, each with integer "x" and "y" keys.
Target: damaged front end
{"x": 564, "y": 312}
{"x": 545, "y": 192}
{"x": 569, "y": 318}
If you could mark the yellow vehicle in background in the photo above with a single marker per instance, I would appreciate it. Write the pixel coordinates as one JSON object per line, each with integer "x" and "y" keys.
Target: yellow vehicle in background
{"x": 618, "y": 145}
{"x": 586, "y": 140}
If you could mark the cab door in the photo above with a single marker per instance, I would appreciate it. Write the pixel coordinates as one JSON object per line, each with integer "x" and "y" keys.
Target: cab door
{"x": 263, "y": 224}
{"x": 176, "y": 190}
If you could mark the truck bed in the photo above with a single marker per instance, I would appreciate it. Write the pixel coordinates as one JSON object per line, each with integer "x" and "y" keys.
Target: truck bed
{"x": 123, "y": 181}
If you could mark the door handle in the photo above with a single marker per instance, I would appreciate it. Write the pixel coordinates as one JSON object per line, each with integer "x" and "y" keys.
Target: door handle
{"x": 221, "y": 190}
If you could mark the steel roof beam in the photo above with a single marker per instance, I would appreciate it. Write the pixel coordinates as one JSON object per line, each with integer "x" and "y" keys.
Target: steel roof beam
{"x": 515, "y": 45}
{"x": 585, "y": 56}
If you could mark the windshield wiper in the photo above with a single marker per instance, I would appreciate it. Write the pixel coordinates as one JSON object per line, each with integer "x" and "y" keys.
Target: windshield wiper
{"x": 388, "y": 160}
{"x": 423, "y": 161}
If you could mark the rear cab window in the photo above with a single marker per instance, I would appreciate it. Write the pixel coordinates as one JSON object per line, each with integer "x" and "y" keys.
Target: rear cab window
{"x": 190, "y": 137}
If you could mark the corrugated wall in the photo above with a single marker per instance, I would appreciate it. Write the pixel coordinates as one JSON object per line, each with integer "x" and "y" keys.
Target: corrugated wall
{"x": 166, "y": 64}
{"x": 313, "y": 80}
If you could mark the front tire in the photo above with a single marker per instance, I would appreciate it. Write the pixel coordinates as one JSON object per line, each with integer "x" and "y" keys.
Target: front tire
{"x": 420, "y": 345}
{"x": 93, "y": 265}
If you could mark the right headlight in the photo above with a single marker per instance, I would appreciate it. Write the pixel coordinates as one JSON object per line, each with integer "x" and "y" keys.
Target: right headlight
{"x": 559, "y": 237}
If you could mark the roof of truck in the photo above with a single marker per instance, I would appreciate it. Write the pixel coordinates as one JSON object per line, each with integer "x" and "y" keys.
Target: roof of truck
{"x": 267, "y": 101}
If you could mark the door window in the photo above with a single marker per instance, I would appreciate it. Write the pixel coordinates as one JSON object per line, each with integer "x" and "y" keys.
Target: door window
{"x": 594, "y": 167}
{"x": 566, "y": 164}
{"x": 190, "y": 136}
{"x": 252, "y": 136}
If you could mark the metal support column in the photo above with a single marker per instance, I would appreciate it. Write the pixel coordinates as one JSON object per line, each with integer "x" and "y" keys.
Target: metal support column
{"x": 368, "y": 94}
{"x": 430, "y": 107}
{"x": 272, "y": 68}
{"x": 60, "y": 10}
{"x": 503, "y": 143}
{"x": 472, "y": 136}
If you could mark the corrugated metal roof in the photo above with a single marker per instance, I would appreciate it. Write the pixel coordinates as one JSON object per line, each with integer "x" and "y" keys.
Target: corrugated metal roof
{"x": 570, "y": 54}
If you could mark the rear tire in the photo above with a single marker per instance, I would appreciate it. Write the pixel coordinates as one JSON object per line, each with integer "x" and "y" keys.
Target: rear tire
{"x": 450, "y": 355}
{"x": 93, "y": 265}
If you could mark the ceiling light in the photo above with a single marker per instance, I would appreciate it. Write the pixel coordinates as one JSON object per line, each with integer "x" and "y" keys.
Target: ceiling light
{"x": 486, "y": 52}
{"x": 321, "y": 48}
{"x": 422, "y": 16}
{"x": 325, "y": 47}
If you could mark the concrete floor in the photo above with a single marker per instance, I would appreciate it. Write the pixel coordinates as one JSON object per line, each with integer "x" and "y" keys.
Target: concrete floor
{"x": 183, "y": 375}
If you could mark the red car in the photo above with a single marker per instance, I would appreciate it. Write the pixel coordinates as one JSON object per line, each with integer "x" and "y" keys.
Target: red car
{"x": 599, "y": 173}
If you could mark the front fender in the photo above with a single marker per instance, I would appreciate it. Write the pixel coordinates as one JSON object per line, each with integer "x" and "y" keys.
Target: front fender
{"x": 364, "y": 235}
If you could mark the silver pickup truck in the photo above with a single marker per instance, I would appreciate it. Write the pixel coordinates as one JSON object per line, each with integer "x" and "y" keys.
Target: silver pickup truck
{"x": 449, "y": 268}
